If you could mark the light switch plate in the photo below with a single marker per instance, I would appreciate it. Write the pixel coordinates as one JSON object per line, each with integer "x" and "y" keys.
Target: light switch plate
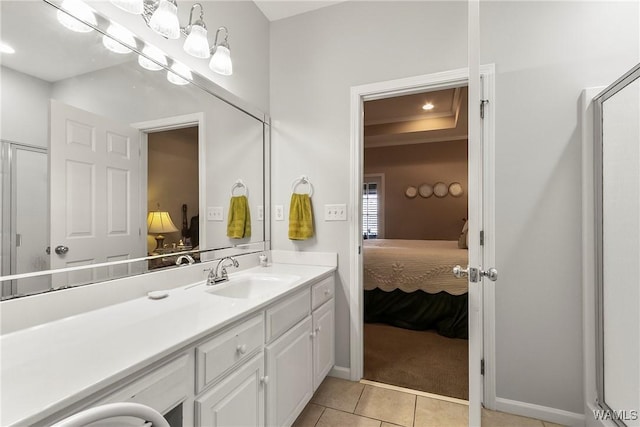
{"x": 335, "y": 212}
{"x": 215, "y": 213}
{"x": 279, "y": 214}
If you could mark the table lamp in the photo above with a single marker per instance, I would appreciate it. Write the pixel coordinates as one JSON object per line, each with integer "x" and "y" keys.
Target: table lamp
{"x": 159, "y": 223}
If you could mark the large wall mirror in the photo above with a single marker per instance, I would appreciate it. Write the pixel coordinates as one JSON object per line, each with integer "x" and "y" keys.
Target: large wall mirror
{"x": 617, "y": 177}
{"x": 109, "y": 157}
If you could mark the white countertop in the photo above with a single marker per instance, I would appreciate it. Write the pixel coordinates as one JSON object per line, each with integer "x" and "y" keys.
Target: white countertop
{"x": 49, "y": 367}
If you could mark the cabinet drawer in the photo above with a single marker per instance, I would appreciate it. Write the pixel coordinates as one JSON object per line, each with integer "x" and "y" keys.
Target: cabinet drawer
{"x": 222, "y": 352}
{"x": 287, "y": 313}
{"x": 322, "y": 291}
{"x": 161, "y": 389}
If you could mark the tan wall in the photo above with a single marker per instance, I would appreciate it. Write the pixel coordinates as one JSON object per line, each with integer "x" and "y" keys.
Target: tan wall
{"x": 432, "y": 218}
{"x": 173, "y": 175}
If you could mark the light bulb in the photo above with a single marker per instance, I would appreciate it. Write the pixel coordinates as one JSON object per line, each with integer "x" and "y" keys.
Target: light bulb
{"x": 428, "y": 106}
{"x": 114, "y": 33}
{"x": 164, "y": 20}
{"x": 196, "y": 43}
{"x": 131, "y": 6}
{"x": 221, "y": 61}
{"x": 177, "y": 71}
{"x": 78, "y": 10}
{"x": 155, "y": 54}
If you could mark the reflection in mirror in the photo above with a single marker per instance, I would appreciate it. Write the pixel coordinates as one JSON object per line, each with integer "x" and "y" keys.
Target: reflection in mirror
{"x": 95, "y": 138}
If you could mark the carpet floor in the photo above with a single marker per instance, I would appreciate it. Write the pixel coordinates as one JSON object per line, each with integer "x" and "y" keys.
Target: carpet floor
{"x": 420, "y": 360}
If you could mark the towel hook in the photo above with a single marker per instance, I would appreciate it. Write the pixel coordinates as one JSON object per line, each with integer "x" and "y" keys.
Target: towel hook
{"x": 240, "y": 184}
{"x": 302, "y": 180}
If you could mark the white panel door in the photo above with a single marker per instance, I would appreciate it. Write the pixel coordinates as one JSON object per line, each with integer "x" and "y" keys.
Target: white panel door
{"x": 95, "y": 209}
{"x": 290, "y": 372}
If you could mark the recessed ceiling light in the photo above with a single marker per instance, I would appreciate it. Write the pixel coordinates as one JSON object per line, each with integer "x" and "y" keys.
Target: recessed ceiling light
{"x": 5, "y": 48}
{"x": 427, "y": 106}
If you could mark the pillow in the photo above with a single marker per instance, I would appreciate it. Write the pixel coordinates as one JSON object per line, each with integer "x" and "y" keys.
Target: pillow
{"x": 463, "y": 240}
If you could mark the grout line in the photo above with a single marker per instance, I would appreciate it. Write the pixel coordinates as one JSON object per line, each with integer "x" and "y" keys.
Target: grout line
{"x": 415, "y": 392}
{"x": 324, "y": 408}
{"x": 359, "y": 397}
{"x": 415, "y": 408}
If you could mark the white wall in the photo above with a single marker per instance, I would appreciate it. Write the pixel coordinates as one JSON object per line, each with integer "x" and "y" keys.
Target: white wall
{"x": 19, "y": 93}
{"x": 315, "y": 59}
{"x": 248, "y": 40}
{"x": 545, "y": 53}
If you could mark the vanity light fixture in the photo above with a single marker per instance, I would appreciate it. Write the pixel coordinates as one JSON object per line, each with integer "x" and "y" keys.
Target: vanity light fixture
{"x": 428, "y": 106}
{"x": 118, "y": 32}
{"x": 177, "y": 71}
{"x": 155, "y": 54}
{"x": 162, "y": 17}
{"x": 79, "y": 10}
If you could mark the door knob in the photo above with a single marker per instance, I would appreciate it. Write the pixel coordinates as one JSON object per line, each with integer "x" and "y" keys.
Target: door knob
{"x": 460, "y": 272}
{"x": 61, "y": 250}
{"x": 491, "y": 274}
{"x": 475, "y": 274}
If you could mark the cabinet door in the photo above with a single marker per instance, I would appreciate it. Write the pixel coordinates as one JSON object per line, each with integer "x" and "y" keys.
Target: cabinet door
{"x": 238, "y": 400}
{"x": 323, "y": 342}
{"x": 290, "y": 373}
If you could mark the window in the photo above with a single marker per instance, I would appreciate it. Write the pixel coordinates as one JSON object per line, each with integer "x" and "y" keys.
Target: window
{"x": 370, "y": 210}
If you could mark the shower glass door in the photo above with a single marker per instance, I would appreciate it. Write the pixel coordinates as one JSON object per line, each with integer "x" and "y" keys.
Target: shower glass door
{"x": 618, "y": 248}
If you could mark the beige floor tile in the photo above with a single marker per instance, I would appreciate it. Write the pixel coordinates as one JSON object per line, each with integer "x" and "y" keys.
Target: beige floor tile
{"x": 387, "y": 405}
{"x": 434, "y": 412}
{"x": 501, "y": 419}
{"x": 309, "y": 416}
{"x": 389, "y": 425}
{"x": 548, "y": 424}
{"x": 332, "y": 418}
{"x": 338, "y": 394}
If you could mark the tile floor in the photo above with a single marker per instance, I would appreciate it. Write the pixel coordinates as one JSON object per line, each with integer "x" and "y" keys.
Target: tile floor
{"x": 341, "y": 403}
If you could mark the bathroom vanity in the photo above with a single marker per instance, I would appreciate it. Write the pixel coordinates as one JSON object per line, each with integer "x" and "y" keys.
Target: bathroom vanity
{"x": 250, "y": 351}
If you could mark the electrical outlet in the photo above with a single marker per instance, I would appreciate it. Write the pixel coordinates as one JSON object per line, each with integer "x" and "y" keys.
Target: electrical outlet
{"x": 335, "y": 212}
{"x": 279, "y": 214}
{"x": 260, "y": 213}
{"x": 215, "y": 213}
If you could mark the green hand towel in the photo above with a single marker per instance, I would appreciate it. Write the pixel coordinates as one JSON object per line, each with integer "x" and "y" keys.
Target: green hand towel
{"x": 300, "y": 217}
{"x": 239, "y": 224}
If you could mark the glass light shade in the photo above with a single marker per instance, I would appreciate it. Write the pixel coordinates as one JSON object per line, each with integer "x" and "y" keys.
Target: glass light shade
{"x": 160, "y": 222}
{"x": 118, "y": 33}
{"x": 164, "y": 20}
{"x": 196, "y": 43}
{"x": 80, "y": 11}
{"x": 177, "y": 71}
{"x": 155, "y": 54}
{"x": 131, "y": 6}
{"x": 221, "y": 61}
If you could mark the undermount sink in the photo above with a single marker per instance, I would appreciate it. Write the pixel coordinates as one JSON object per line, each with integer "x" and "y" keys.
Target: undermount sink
{"x": 253, "y": 286}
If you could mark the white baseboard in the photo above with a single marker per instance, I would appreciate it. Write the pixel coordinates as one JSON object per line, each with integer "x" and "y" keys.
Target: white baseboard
{"x": 340, "y": 372}
{"x": 544, "y": 413}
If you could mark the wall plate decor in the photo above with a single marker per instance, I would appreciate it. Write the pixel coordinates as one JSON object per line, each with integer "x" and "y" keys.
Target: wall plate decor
{"x": 440, "y": 189}
{"x": 425, "y": 190}
{"x": 455, "y": 189}
{"x": 411, "y": 192}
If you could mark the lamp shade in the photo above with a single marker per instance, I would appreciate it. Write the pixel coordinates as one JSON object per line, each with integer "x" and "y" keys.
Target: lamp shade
{"x": 160, "y": 222}
{"x": 221, "y": 61}
{"x": 79, "y": 10}
{"x": 131, "y": 6}
{"x": 116, "y": 32}
{"x": 196, "y": 43}
{"x": 164, "y": 20}
{"x": 155, "y": 54}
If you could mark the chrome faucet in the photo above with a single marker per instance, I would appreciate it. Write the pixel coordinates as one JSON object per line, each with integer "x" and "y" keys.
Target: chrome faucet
{"x": 187, "y": 258}
{"x": 218, "y": 274}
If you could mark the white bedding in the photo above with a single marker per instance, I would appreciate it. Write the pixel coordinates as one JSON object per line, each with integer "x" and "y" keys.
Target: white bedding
{"x": 411, "y": 265}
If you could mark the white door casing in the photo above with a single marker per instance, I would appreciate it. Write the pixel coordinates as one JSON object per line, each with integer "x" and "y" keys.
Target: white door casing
{"x": 481, "y": 217}
{"x": 95, "y": 170}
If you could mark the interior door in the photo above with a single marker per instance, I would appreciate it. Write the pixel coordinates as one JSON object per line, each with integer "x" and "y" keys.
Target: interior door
{"x": 95, "y": 213}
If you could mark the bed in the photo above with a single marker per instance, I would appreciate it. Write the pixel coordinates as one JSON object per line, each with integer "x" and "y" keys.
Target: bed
{"x": 409, "y": 284}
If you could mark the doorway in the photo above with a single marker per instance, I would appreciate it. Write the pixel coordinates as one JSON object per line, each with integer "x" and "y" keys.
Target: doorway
{"x": 415, "y": 310}
{"x": 481, "y": 218}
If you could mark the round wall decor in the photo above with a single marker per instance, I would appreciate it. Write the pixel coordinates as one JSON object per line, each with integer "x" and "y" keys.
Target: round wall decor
{"x": 455, "y": 189}
{"x": 425, "y": 190}
{"x": 440, "y": 189}
{"x": 411, "y": 192}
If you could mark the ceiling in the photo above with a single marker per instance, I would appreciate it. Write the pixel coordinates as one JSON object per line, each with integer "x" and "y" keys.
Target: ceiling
{"x": 280, "y": 9}
{"x": 402, "y": 120}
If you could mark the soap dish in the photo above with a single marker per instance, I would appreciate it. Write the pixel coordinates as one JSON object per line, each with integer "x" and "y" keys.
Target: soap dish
{"x": 157, "y": 294}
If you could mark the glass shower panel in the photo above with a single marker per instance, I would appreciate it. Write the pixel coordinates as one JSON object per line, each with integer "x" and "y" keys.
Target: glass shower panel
{"x": 621, "y": 248}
